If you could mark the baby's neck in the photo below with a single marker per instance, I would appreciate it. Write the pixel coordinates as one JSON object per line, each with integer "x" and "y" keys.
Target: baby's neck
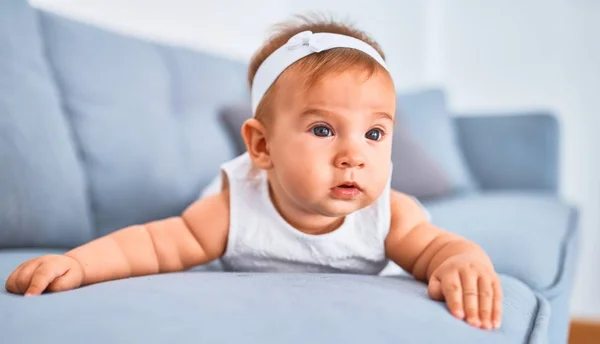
{"x": 316, "y": 227}
{"x": 304, "y": 221}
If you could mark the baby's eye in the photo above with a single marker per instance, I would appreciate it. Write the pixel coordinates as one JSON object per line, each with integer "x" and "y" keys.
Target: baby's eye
{"x": 374, "y": 134}
{"x": 321, "y": 130}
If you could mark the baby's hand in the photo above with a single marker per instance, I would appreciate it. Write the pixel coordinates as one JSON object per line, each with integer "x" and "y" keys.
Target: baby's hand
{"x": 49, "y": 272}
{"x": 471, "y": 288}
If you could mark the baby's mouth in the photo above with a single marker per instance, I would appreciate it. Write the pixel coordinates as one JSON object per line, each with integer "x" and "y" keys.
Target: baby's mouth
{"x": 347, "y": 191}
{"x": 348, "y": 185}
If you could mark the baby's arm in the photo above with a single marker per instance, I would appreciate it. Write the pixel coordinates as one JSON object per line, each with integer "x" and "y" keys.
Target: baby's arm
{"x": 198, "y": 236}
{"x": 457, "y": 269}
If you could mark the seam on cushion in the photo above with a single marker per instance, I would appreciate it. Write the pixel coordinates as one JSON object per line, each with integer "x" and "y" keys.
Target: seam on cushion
{"x": 567, "y": 255}
{"x": 174, "y": 95}
{"x": 538, "y": 329}
{"x": 174, "y": 99}
{"x": 59, "y": 92}
{"x": 172, "y": 71}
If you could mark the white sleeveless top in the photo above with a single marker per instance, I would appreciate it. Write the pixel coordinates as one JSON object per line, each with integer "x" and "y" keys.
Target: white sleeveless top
{"x": 260, "y": 240}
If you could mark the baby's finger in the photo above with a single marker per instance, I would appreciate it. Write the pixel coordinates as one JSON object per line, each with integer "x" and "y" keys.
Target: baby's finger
{"x": 11, "y": 283}
{"x": 24, "y": 277}
{"x": 485, "y": 302}
{"x": 435, "y": 289}
{"x": 44, "y": 274}
{"x": 452, "y": 290}
{"x": 469, "y": 285}
{"x": 64, "y": 282}
{"x": 497, "y": 311}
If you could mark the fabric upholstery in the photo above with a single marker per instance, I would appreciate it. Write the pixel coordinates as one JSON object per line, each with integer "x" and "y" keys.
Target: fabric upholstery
{"x": 259, "y": 308}
{"x": 42, "y": 186}
{"x": 518, "y": 151}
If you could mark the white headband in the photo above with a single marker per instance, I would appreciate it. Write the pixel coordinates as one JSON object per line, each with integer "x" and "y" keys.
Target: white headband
{"x": 297, "y": 47}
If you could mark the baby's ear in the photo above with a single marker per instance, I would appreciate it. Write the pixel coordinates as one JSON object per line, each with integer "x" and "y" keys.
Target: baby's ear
{"x": 255, "y": 137}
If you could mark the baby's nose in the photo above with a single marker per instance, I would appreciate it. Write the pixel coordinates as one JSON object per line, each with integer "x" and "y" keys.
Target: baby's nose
{"x": 350, "y": 161}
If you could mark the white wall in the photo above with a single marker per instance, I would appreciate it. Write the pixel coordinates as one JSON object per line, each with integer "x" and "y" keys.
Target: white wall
{"x": 236, "y": 28}
{"x": 501, "y": 54}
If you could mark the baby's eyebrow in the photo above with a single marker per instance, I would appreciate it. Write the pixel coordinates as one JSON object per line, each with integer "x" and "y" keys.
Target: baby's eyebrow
{"x": 384, "y": 115}
{"x": 325, "y": 113}
{"x": 318, "y": 112}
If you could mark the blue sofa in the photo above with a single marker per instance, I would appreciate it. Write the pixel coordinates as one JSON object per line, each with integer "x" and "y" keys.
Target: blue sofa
{"x": 99, "y": 130}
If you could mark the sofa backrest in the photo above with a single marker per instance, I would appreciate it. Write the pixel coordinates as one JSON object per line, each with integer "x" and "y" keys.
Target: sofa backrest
{"x": 43, "y": 196}
{"x": 116, "y": 130}
{"x": 144, "y": 117}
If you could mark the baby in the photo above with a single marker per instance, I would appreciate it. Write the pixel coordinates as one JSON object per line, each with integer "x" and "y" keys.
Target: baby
{"x": 311, "y": 194}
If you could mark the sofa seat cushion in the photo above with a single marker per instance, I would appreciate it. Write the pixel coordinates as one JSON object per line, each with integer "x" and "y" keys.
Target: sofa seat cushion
{"x": 211, "y": 307}
{"x": 525, "y": 234}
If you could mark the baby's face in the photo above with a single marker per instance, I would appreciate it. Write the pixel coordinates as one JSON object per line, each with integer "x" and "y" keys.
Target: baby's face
{"x": 331, "y": 144}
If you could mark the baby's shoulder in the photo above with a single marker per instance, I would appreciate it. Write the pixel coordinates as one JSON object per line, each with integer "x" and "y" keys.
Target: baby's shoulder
{"x": 213, "y": 205}
{"x": 208, "y": 221}
{"x": 400, "y": 201}
{"x": 406, "y": 209}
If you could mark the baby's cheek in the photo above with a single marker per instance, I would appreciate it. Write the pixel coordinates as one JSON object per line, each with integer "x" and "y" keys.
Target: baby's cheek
{"x": 298, "y": 178}
{"x": 380, "y": 180}
{"x": 308, "y": 182}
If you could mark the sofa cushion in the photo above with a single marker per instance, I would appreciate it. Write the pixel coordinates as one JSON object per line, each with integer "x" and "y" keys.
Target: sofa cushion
{"x": 525, "y": 234}
{"x": 144, "y": 118}
{"x": 221, "y": 307}
{"x": 42, "y": 186}
{"x": 426, "y": 114}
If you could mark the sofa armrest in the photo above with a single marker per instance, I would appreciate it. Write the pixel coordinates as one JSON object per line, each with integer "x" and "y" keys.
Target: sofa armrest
{"x": 511, "y": 151}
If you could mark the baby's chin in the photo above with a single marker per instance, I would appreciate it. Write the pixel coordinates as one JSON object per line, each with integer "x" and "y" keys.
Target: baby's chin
{"x": 339, "y": 208}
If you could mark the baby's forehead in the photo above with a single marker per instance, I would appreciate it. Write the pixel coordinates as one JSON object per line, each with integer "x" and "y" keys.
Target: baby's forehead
{"x": 310, "y": 77}
{"x": 351, "y": 86}
{"x": 334, "y": 96}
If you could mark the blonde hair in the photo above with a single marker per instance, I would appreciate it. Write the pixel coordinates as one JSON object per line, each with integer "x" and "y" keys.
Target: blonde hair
{"x": 314, "y": 66}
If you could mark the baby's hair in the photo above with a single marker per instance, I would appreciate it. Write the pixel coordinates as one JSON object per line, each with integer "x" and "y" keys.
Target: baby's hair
{"x": 314, "y": 66}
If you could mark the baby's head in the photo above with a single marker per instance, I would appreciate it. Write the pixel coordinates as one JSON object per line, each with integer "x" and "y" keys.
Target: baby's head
{"x": 323, "y": 123}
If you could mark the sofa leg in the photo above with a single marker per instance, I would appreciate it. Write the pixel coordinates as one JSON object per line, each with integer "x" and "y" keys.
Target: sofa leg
{"x": 584, "y": 331}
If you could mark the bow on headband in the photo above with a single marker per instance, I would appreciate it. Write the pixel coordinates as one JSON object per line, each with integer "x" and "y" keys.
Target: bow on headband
{"x": 305, "y": 38}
